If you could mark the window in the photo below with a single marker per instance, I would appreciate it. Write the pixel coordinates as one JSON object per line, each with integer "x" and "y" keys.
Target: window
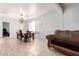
{"x": 32, "y": 26}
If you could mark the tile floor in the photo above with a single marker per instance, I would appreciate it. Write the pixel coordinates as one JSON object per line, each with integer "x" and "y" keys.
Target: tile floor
{"x": 15, "y": 47}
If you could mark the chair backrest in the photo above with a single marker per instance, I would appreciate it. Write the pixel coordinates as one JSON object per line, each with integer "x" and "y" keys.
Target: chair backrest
{"x": 20, "y": 33}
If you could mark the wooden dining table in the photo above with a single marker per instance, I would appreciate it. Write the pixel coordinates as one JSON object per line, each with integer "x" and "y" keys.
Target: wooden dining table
{"x": 27, "y": 36}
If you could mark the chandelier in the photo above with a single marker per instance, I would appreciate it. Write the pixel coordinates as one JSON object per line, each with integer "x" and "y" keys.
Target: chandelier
{"x": 21, "y": 19}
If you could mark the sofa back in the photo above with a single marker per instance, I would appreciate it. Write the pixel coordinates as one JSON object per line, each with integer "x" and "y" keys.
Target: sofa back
{"x": 75, "y": 37}
{"x": 67, "y": 35}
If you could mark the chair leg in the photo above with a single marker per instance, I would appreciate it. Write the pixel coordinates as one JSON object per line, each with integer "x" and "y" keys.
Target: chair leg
{"x": 20, "y": 38}
{"x": 25, "y": 39}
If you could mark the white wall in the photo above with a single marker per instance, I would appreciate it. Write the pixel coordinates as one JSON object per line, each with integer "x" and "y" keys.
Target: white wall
{"x": 69, "y": 20}
{"x": 48, "y": 23}
{"x": 14, "y": 26}
{"x": 0, "y": 29}
{"x": 71, "y": 16}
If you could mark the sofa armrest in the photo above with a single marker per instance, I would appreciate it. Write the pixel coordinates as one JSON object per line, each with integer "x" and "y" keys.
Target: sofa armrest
{"x": 50, "y": 39}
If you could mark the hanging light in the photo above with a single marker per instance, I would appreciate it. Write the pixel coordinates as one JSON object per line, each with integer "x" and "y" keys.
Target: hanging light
{"x": 21, "y": 20}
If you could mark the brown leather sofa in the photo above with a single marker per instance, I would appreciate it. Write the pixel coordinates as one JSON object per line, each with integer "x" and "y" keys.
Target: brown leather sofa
{"x": 65, "y": 41}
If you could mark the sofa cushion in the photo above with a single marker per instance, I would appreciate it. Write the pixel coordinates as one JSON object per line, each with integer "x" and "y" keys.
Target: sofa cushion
{"x": 64, "y": 35}
{"x": 66, "y": 45}
{"x": 75, "y": 37}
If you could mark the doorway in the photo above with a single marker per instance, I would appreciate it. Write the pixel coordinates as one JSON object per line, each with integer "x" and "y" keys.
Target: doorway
{"x": 6, "y": 29}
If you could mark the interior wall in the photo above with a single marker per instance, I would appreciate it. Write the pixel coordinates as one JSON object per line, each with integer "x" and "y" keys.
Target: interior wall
{"x": 0, "y": 29}
{"x": 47, "y": 23}
{"x": 71, "y": 16}
{"x": 14, "y": 26}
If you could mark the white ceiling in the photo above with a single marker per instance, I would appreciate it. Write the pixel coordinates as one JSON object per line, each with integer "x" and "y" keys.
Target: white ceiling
{"x": 29, "y": 10}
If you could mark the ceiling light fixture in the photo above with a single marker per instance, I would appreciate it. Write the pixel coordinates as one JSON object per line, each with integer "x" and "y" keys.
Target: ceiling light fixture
{"x": 21, "y": 19}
